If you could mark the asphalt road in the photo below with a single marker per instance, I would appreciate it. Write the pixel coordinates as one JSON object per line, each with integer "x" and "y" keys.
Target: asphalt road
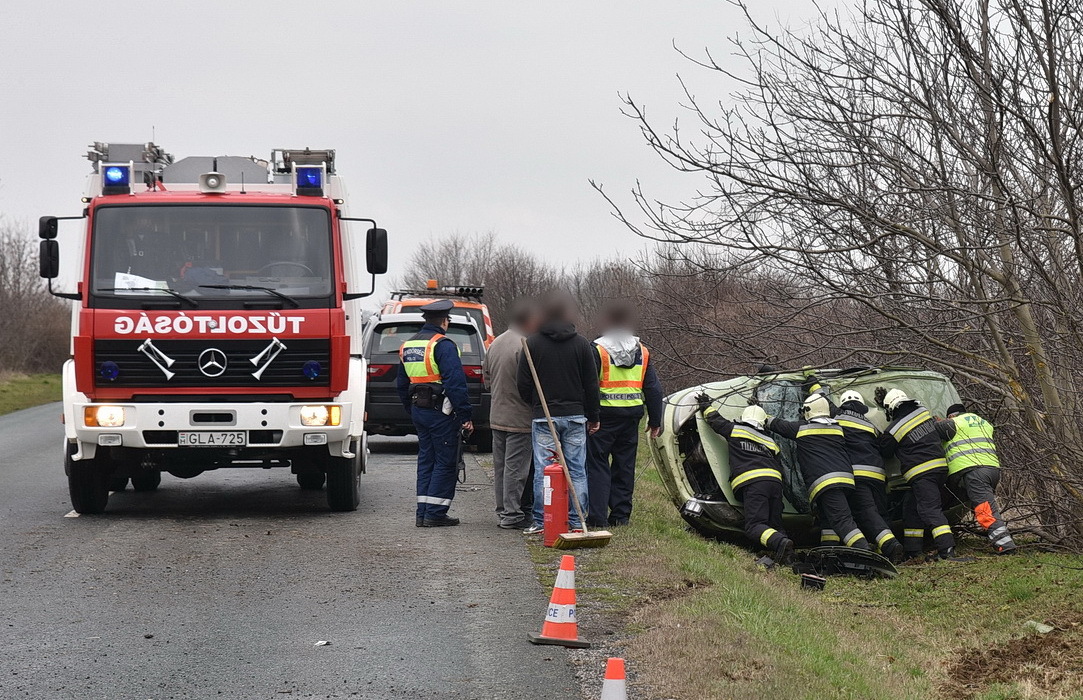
{"x": 220, "y": 587}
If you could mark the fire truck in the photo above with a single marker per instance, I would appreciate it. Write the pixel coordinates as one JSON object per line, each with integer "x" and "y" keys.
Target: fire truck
{"x": 215, "y": 321}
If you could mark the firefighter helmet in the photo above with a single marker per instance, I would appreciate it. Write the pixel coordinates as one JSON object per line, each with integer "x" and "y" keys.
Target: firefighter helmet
{"x": 895, "y": 398}
{"x": 816, "y": 406}
{"x": 754, "y": 416}
{"x": 851, "y": 395}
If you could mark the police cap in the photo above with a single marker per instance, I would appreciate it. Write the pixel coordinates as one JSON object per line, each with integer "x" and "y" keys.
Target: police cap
{"x": 440, "y": 307}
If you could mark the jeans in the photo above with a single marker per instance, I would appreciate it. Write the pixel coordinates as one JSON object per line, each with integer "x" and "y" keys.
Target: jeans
{"x": 572, "y": 432}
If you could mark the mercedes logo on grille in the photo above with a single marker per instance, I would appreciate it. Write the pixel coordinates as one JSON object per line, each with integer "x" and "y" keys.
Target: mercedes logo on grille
{"x": 212, "y": 362}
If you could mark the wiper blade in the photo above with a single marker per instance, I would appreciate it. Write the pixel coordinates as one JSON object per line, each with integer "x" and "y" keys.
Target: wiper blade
{"x": 252, "y": 287}
{"x": 172, "y": 292}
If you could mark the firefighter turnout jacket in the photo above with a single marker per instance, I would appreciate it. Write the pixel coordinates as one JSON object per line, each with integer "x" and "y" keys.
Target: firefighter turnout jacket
{"x": 914, "y": 439}
{"x": 821, "y": 452}
{"x": 968, "y": 440}
{"x": 753, "y": 454}
{"x": 863, "y": 445}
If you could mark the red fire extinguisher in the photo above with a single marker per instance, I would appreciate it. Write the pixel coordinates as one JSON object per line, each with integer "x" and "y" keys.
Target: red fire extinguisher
{"x": 555, "y": 510}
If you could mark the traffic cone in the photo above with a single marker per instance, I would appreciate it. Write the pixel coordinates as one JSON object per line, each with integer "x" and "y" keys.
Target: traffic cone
{"x": 560, "y": 626}
{"x": 613, "y": 687}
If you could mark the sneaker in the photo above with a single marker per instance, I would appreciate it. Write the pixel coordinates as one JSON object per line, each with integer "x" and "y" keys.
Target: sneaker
{"x": 517, "y": 525}
{"x": 440, "y": 522}
{"x": 533, "y": 530}
{"x": 1006, "y": 549}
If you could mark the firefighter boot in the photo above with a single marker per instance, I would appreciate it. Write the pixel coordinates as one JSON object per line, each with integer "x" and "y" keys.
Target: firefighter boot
{"x": 784, "y": 552}
{"x": 948, "y": 554}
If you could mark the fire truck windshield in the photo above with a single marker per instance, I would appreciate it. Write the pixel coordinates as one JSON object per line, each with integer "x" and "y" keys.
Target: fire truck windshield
{"x": 217, "y": 256}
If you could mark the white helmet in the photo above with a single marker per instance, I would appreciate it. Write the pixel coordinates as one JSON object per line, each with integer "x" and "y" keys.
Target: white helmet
{"x": 851, "y": 395}
{"x": 755, "y": 416}
{"x": 895, "y": 398}
{"x": 816, "y": 406}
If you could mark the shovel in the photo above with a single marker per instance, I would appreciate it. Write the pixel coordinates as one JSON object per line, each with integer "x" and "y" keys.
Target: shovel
{"x": 567, "y": 540}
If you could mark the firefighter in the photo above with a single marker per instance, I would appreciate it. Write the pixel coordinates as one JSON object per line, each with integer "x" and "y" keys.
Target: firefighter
{"x": 432, "y": 387}
{"x": 974, "y": 469}
{"x": 755, "y": 475}
{"x": 912, "y": 437}
{"x": 825, "y": 466}
{"x": 869, "y": 500}
{"x": 628, "y": 386}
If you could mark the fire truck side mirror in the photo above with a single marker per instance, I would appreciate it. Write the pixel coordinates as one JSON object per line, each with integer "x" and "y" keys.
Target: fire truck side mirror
{"x": 47, "y": 228}
{"x": 376, "y": 251}
{"x": 49, "y": 258}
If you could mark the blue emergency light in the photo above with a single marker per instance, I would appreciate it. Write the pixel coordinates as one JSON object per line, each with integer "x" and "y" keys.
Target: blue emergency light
{"x": 116, "y": 179}
{"x": 309, "y": 180}
{"x": 109, "y": 371}
{"x": 312, "y": 369}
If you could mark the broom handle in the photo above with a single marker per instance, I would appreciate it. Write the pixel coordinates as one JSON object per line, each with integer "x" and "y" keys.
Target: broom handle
{"x": 556, "y": 440}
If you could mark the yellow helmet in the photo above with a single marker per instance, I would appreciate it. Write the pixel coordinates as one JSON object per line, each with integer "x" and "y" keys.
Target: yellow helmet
{"x": 754, "y": 415}
{"x": 816, "y": 406}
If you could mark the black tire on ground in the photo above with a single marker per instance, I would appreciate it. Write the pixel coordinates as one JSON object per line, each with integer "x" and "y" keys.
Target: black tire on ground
{"x": 88, "y": 485}
{"x": 147, "y": 481}
{"x": 118, "y": 483}
{"x": 482, "y": 440}
{"x": 311, "y": 479}
{"x": 344, "y": 482}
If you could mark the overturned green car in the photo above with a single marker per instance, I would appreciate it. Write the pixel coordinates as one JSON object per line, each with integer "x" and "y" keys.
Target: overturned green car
{"x": 693, "y": 460}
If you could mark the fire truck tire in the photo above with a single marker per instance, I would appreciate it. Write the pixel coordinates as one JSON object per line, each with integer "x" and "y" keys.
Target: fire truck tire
{"x": 147, "y": 481}
{"x": 311, "y": 480}
{"x": 118, "y": 483}
{"x": 88, "y": 484}
{"x": 343, "y": 483}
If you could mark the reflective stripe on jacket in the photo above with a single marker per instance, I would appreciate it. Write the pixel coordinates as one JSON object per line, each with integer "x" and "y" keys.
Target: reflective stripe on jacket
{"x": 821, "y": 453}
{"x": 753, "y": 454}
{"x": 622, "y": 386}
{"x": 863, "y": 446}
{"x": 417, "y": 355}
{"x": 972, "y": 445}
{"x": 914, "y": 439}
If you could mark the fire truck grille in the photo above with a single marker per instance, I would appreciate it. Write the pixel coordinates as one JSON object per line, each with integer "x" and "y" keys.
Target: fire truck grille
{"x": 210, "y": 363}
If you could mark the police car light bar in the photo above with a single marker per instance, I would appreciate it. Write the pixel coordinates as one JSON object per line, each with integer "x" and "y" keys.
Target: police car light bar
{"x": 308, "y": 180}
{"x": 446, "y": 291}
{"x": 116, "y": 178}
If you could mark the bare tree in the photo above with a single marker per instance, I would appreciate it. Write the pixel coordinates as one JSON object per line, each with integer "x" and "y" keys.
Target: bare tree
{"x": 914, "y": 171}
{"x": 34, "y": 325}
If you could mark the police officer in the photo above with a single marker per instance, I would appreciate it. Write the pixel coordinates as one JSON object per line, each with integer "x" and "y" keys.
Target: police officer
{"x": 825, "y": 466}
{"x": 974, "y": 469}
{"x": 755, "y": 475}
{"x": 912, "y": 437}
{"x": 432, "y": 387}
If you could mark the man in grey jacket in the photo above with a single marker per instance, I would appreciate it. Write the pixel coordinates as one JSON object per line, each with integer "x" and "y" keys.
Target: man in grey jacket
{"x": 510, "y": 418}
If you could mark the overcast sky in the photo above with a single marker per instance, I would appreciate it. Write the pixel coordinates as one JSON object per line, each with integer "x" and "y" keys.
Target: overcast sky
{"x": 447, "y": 115}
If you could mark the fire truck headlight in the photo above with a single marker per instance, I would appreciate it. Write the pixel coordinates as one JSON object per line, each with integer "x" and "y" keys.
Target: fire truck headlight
{"x": 103, "y": 416}
{"x": 321, "y": 415}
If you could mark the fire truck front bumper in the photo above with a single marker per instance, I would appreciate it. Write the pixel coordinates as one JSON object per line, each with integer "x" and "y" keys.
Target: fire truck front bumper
{"x": 198, "y": 425}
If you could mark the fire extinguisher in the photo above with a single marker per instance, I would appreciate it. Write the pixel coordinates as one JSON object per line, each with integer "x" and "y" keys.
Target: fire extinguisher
{"x": 555, "y": 510}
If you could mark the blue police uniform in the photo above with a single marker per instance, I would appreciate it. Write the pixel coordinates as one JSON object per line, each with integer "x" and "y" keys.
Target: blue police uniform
{"x": 430, "y": 363}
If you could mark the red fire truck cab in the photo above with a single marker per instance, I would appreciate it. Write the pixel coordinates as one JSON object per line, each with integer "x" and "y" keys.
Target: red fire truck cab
{"x": 214, "y": 322}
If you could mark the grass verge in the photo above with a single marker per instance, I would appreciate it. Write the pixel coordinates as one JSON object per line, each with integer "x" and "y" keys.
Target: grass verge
{"x": 19, "y": 391}
{"x": 697, "y": 619}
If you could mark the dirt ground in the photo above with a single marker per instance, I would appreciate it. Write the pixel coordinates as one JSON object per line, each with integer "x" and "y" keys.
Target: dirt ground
{"x": 1052, "y": 665}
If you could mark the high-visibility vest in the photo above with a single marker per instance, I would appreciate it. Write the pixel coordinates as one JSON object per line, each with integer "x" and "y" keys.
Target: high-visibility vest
{"x": 972, "y": 445}
{"x": 622, "y": 386}
{"x": 418, "y": 357}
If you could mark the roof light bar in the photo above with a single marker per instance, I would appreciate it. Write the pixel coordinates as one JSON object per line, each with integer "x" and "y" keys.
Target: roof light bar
{"x": 308, "y": 180}
{"x": 116, "y": 178}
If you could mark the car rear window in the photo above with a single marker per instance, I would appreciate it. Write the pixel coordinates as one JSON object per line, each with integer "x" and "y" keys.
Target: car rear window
{"x": 475, "y": 314}
{"x": 388, "y": 339}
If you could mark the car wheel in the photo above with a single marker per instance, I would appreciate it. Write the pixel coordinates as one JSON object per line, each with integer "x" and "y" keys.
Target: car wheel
{"x": 147, "y": 481}
{"x": 311, "y": 479}
{"x": 343, "y": 483}
{"x": 88, "y": 485}
{"x": 118, "y": 483}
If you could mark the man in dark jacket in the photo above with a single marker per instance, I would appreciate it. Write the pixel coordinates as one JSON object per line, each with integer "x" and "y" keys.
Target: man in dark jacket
{"x": 569, "y": 378}
{"x": 912, "y": 437}
{"x": 755, "y": 475}
{"x": 432, "y": 388}
{"x": 627, "y": 383}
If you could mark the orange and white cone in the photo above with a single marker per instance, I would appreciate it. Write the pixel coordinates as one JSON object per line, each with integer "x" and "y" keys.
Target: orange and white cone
{"x": 560, "y": 626}
{"x": 613, "y": 687}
